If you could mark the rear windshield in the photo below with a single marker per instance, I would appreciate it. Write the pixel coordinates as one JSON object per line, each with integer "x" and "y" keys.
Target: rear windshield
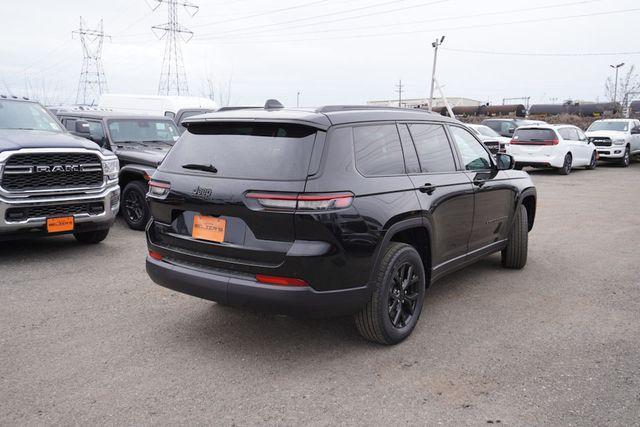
{"x": 269, "y": 151}
{"x": 534, "y": 135}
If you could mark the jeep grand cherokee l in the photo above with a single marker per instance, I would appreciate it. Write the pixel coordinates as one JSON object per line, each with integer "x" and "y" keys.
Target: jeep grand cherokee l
{"x": 331, "y": 211}
{"x": 52, "y": 182}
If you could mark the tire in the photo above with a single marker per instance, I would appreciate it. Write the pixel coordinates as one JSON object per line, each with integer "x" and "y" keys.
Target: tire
{"x": 515, "y": 254}
{"x": 91, "y": 237}
{"x": 134, "y": 205}
{"x": 393, "y": 297}
{"x": 566, "y": 166}
{"x": 626, "y": 159}
{"x": 593, "y": 163}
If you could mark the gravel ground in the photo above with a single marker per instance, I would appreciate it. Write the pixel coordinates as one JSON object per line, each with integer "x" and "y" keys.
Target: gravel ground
{"x": 87, "y": 338}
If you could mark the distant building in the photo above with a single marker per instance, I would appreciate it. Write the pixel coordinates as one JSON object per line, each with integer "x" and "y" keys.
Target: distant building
{"x": 424, "y": 102}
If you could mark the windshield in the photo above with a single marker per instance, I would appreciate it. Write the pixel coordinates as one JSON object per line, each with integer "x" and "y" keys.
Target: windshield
{"x": 143, "y": 130}
{"x": 270, "y": 151}
{"x": 609, "y": 125}
{"x": 26, "y": 115}
{"x": 487, "y": 131}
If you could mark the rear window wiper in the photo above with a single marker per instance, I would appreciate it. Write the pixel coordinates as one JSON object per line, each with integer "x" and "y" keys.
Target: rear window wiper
{"x": 198, "y": 167}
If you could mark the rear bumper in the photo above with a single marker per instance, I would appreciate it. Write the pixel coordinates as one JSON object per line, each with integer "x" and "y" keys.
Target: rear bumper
{"x": 243, "y": 291}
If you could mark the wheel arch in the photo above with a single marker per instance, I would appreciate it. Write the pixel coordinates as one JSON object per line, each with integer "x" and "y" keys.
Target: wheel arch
{"x": 414, "y": 232}
{"x": 528, "y": 199}
{"x": 130, "y": 173}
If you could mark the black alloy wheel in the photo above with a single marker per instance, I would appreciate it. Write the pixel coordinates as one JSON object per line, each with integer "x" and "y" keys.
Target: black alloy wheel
{"x": 403, "y": 295}
{"x": 593, "y": 163}
{"x": 626, "y": 159}
{"x": 566, "y": 167}
{"x": 134, "y": 205}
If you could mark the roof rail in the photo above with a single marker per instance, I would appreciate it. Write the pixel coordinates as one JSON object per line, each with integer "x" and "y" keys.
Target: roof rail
{"x": 239, "y": 107}
{"x": 334, "y": 108}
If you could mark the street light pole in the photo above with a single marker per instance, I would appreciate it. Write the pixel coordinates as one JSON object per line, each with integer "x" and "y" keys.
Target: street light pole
{"x": 435, "y": 46}
{"x": 615, "y": 90}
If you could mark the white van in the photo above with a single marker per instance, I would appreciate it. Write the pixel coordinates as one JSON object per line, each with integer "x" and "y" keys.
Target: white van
{"x": 176, "y": 107}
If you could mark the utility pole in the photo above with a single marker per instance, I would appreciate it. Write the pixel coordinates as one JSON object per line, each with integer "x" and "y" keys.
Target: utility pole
{"x": 92, "y": 79}
{"x": 435, "y": 46}
{"x": 399, "y": 90}
{"x": 615, "y": 91}
{"x": 298, "y": 99}
{"x": 173, "y": 79}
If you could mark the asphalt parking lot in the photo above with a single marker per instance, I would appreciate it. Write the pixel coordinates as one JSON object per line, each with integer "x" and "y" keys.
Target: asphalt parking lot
{"x": 87, "y": 338}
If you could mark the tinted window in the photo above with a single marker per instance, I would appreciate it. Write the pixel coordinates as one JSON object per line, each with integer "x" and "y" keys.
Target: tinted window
{"x": 70, "y": 124}
{"x": 474, "y": 156}
{"x": 378, "y": 150}
{"x": 409, "y": 151}
{"x": 433, "y": 148}
{"x": 269, "y": 151}
{"x": 566, "y": 133}
{"x": 534, "y": 135}
{"x": 96, "y": 131}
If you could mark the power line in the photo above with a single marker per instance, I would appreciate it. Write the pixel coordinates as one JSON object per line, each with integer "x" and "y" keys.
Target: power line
{"x": 268, "y": 12}
{"x": 289, "y": 37}
{"x": 341, "y": 12}
{"x": 396, "y": 24}
{"x": 92, "y": 79}
{"x": 173, "y": 78}
{"x": 489, "y": 52}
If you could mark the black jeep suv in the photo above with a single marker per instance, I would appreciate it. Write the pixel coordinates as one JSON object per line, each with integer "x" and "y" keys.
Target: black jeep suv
{"x": 332, "y": 211}
{"x": 140, "y": 142}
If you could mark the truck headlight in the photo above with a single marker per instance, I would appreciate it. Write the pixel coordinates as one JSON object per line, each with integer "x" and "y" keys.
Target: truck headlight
{"x": 619, "y": 141}
{"x": 110, "y": 168}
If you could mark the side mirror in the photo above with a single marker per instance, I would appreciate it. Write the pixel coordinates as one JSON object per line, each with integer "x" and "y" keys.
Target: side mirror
{"x": 511, "y": 130}
{"x": 505, "y": 161}
{"x": 635, "y": 130}
{"x": 82, "y": 129}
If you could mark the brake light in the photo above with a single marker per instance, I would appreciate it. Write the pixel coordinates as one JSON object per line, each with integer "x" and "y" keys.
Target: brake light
{"x": 155, "y": 255}
{"x": 541, "y": 142}
{"x": 159, "y": 189}
{"x": 280, "y": 281}
{"x": 302, "y": 201}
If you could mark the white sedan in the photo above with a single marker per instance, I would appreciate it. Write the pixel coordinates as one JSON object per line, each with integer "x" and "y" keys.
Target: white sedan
{"x": 490, "y": 138}
{"x": 562, "y": 147}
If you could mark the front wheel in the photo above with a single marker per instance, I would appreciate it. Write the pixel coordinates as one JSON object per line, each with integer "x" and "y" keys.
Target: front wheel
{"x": 134, "y": 205}
{"x": 515, "y": 254}
{"x": 566, "y": 166}
{"x": 91, "y": 237}
{"x": 626, "y": 159}
{"x": 593, "y": 163}
{"x": 398, "y": 294}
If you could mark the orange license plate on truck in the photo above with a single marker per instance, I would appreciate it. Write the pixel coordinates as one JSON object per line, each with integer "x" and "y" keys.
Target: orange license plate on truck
{"x": 57, "y": 225}
{"x": 208, "y": 228}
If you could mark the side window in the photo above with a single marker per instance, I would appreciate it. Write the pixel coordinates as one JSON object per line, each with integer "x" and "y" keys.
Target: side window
{"x": 70, "y": 124}
{"x": 433, "y": 147}
{"x": 408, "y": 149}
{"x": 581, "y": 135}
{"x": 378, "y": 150}
{"x": 474, "y": 156}
{"x": 96, "y": 131}
{"x": 565, "y": 133}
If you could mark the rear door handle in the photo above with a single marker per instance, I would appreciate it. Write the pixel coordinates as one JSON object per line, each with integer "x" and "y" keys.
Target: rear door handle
{"x": 427, "y": 188}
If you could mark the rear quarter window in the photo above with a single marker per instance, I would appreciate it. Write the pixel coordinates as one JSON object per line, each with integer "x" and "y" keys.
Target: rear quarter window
{"x": 259, "y": 151}
{"x": 378, "y": 151}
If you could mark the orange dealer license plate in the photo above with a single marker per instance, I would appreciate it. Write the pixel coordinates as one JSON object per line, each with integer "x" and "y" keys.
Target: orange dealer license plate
{"x": 57, "y": 225}
{"x": 208, "y": 228}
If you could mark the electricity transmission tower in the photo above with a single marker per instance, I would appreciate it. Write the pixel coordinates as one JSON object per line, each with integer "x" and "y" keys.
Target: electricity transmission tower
{"x": 399, "y": 90}
{"x": 92, "y": 79}
{"x": 173, "y": 79}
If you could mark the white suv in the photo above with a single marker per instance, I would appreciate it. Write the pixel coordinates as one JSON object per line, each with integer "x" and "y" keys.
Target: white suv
{"x": 616, "y": 139}
{"x": 557, "y": 146}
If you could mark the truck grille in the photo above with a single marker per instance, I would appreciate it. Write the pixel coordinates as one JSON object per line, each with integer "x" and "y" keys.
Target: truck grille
{"x": 601, "y": 141}
{"x": 46, "y": 211}
{"x": 43, "y": 171}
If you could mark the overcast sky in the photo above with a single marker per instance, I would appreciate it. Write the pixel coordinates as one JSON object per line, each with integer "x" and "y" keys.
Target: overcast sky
{"x": 333, "y": 51}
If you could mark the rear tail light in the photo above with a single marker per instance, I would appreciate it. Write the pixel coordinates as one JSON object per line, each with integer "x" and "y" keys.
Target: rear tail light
{"x": 155, "y": 255}
{"x": 280, "y": 281}
{"x": 159, "y": 189}
{"x": 303, "y": 201}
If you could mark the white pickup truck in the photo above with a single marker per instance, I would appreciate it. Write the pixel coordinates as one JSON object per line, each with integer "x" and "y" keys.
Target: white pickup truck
{"x": 616, "y": 139}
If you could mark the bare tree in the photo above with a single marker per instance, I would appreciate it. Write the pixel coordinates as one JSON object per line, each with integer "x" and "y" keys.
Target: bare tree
{"x": 224, "y": 92}
{"x": 628, "y": 86}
